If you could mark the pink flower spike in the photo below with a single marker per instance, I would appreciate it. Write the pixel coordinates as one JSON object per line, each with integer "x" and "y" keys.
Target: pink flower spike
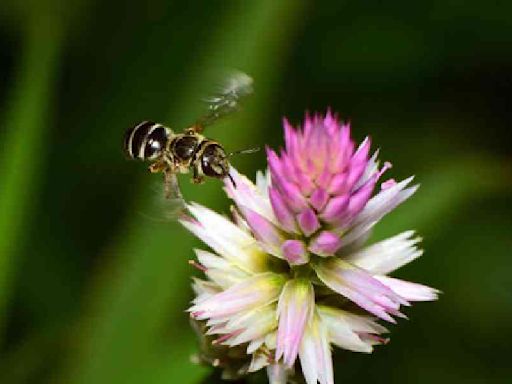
{"x": 294, "y": 311}
{"x": 292, "y": 274}
{"x": 294, "y": 251}
{"x": 308, "y": 222}
{"x": 325, "y": 244}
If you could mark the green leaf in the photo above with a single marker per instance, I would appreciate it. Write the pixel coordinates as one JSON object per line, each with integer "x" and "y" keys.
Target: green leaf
{"x": 25, "y": 122}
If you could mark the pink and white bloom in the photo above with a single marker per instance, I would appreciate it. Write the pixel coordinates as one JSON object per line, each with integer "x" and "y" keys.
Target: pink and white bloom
{"x": 288, "y": 270}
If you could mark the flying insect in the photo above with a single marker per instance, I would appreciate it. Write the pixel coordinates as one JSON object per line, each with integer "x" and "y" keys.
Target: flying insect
{"x": 189, "y": 151}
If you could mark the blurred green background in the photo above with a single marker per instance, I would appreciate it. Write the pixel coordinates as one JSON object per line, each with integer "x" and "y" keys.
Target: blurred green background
{"x": 94, "y": 284}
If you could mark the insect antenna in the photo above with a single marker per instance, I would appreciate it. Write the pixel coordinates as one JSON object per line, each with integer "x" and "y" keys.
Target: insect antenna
{"x": 244, "y": 151}
{"x": 241, "y": 152}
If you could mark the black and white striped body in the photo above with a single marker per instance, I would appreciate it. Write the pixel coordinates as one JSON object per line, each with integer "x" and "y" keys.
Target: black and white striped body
{"x": 176, "y": 153}
{"x": 146, "y": 141}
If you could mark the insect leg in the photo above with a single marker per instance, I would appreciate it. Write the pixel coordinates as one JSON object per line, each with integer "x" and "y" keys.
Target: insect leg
{"x": 171, "y": 186}
{"x": 159, "y": 166}
{"x": 196, "y": 178}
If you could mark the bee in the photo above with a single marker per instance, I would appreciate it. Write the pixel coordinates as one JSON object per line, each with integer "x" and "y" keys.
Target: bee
{"x": 172, "y": 153}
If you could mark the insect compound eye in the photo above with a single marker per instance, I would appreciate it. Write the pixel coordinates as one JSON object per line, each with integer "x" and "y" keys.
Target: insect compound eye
{"x": 214, "y": 162}
{"x": 184, "y": 147}
{"x": 155, "y": 142}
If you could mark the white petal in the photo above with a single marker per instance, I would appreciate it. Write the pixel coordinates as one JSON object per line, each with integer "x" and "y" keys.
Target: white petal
{"x": 364, "y": 324}
{"x": 410, "y": 291}
{"x": 254, "y": 325}
{"x": 295, "y": 309}
{"x": 225, "y": 238}
{"x": 263, "y": 181}
{"x": 315, "y": 355}
{"x": 204, "y": 289}
{"x": 221, "y": 271}
{"x": 254, "y": 292}
{"x": 210, "y": 260}
{"x": 371, "y": 168}
{"x": 345, "y": 329}
{"x": 388, "y": 255}
{"x": 254, "y": 345}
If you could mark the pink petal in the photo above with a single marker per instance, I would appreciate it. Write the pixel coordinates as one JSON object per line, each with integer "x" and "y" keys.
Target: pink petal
{"x": 246, "y": 194}
{"x": 336, "y": 208}
{"x": 388, "y": 184}
{"x": 339, "y": 184}
{"x": 360, "y": 287}
{"x": 304, "y": 182}
{"x": 281, "y": 211}
{"x": 308, "y": 222}
{"x": 295, "y": 252}
{"x": 358, "y": 162}
{"x": 378, "y": 206}
{"x": 359, "y": 199}
{"x": 324, "y": 178}
{"x": 318, "y": 199}
{"x": 325, "y": 244}
{"x": 266, "y": 232}
{"x": 344, "y": 151}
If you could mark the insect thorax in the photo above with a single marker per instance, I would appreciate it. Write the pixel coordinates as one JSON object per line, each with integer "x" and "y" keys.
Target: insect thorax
{"x": 183, "y": 148}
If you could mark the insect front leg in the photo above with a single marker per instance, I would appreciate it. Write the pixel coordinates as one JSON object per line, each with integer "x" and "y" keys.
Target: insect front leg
{"x": 159, "y": 166}
{"x": 197, "y": 178}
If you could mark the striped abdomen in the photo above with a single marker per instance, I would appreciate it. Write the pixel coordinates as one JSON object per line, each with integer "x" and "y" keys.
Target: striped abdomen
{"x": 146, "y": 141}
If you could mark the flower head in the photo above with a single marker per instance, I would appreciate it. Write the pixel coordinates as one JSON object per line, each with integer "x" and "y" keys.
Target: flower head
{"x": 291, "y": 273}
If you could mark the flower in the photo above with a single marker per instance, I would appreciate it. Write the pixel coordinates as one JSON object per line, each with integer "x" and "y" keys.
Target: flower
{"x": 290, "y": 274}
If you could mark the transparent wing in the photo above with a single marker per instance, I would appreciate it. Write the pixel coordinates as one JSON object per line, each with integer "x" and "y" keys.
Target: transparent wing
{"x": 166, "y": 203}
{"x": 236, "y": 87}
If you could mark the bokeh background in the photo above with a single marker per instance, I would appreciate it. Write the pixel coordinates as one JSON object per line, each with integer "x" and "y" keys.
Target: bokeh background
{"x": 94, "y": 280}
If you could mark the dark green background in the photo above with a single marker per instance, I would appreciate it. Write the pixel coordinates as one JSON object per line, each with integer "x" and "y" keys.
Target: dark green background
{"x": 94, "y": 282}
